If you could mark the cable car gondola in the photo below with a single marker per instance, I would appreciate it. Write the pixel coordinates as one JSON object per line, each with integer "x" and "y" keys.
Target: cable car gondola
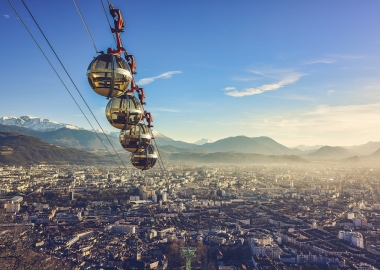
{"x": 145, "y": 159}
{"x": 124, "y": 112}
{"x": 109, "y": 75}
{"x": 135, "y": 139}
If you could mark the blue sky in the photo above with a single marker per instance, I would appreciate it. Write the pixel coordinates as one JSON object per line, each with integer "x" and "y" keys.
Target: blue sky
{"x": 300, "y": 72}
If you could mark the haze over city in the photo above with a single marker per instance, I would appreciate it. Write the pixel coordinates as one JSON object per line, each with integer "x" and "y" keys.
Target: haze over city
{"x": 298, "y": 72}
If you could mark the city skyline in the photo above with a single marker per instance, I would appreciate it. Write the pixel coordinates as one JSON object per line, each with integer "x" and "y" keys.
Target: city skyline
{"x": 300, "y": 73}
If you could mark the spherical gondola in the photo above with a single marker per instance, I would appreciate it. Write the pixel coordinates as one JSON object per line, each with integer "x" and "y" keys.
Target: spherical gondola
{"x": 135, "y": 139}
{"x": 145, "y": 159}
{"x": 109, "y": 75}
{"x": 124, "y": 112}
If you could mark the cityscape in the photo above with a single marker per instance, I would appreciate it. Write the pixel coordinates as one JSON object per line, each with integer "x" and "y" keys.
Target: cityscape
{"x": 321, "y": 215}
{"x": 269, "y": 153}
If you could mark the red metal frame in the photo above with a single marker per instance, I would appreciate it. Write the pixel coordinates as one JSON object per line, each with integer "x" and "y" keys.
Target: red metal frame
{"x": 131, "y": 62}
{"x": 148, "y": 118}
{"x": 119, "y": 28}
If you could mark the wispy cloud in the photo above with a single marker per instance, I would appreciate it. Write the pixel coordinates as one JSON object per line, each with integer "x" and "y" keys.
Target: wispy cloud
{"x": 271, "y": 72}
{"x": 164, "y": 110}
{"x": 264, "y": 73}
{"x": 298, "y": 97}
{"x": 229, "y": 88}
{"x": 347, "y": 56}
{"x": 321, "y": 61}
{"x": 263, "y": 88}
{"x": 6, "y": 16}
{"x": 166, "y": 75}
{"x": 330, "y": 92}
{"x": 245, "y": 79}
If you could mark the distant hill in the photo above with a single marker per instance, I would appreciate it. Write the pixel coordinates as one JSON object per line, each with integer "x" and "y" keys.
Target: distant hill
{"x": 374, "y": 157}
{"x": 173, "y": 149}
{"x": 19, "y": 149}
{"x": 167, "y": 141}
{"x": 255, "y": 145}
{"x": 365, "y": 149}
{"x": 88, "y": 140}
{"x": 376, "y": 154}
{"x": 76, "y": 137}
{"x": 203, "y": 141}
{"x": 331, "y": 152}
{"x": 243, "y": 144}
{"x": 307, "y": 148}
{"x": 234, "y": 158}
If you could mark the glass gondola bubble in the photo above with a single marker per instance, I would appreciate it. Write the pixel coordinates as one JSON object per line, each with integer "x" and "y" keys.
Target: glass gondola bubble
{"x": 109, "y": 75}
{"x": 135, "y": 139}
{"x": 124, "y": 112}
{"x": 145, "y": 159}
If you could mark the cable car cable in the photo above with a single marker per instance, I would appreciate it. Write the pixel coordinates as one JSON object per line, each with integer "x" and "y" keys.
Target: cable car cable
{"x": 158, "y": 151}
{"x": 159, "y": 164}
{"x": 67, "y": 73}
{"x": 67, "y": 89}
{"x": 158, "y": 159}
{"x": 109, "y": 23}
{"x": 85, "y": 25}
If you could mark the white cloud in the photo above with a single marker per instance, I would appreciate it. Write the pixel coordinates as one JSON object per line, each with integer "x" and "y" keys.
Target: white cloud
{"x": 330, "y": 92}
{"x": 6, "y": 16}
{"x": 266, "y": 87}
{"x": 166, "y": 75}
{"x": 229, "y": 88}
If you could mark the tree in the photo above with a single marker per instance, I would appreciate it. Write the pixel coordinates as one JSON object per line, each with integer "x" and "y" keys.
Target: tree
{"x": 201, "y": 253}
{"x": 174, "y": 256}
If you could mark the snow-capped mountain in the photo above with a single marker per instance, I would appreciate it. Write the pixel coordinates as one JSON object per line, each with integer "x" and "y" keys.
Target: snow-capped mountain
{"x": 157, "y": 134}
{"x": 35, "y": 123}
{"x": 203, "y": 141}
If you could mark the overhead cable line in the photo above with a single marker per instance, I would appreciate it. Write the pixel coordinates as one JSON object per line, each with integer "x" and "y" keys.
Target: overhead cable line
{"x": 158, "y": 151}
{"x": 67, "y": 89}
{"x": 85, "y": 25}
{"x": 108, "y": 20}
{"x": 67, "y": 73}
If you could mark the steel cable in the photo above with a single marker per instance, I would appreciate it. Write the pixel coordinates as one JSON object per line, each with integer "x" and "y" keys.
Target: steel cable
{"x": 67, "y": 73}
{"x": 59, "y": 77}
{"x": 108, "y": 20}
{"x": 85, "y": 25}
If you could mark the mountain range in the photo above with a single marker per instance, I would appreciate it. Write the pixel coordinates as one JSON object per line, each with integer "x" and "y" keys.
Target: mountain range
{"x": 35, "y": 123}
{"x": 19, "y": 149}
{"x": 203, "y": 141}
{"x": 232, "y": 148}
